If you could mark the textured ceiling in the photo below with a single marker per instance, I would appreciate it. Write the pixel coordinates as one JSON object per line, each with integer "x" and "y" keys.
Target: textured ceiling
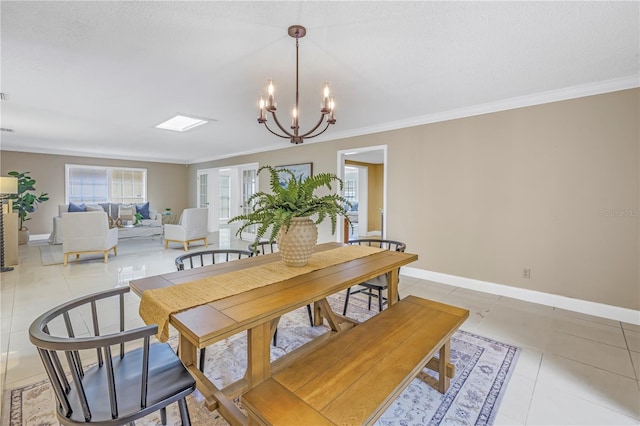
{"x": 94, "y": 78}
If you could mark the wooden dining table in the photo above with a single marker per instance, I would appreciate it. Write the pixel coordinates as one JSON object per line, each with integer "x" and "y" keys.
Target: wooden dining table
{"x": 258, "y": 311}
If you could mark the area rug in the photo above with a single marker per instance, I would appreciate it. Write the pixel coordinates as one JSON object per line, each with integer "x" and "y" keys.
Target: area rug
{"x": 483, "y": 368}
{"x": 52, "y": 254}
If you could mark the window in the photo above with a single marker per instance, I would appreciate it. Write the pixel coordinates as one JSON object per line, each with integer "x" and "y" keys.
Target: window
{"x": 351, "y": 184}
{"x": 225, "y": 197}
{"x": 203, "y": 180}
{"x": 96, "y": 184}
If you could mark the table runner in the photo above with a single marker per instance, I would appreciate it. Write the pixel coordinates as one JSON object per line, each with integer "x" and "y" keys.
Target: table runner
{"x": 157, "y": 305}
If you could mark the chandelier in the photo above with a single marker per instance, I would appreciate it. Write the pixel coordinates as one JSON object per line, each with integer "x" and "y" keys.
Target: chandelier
{"x": 269, "y": 104}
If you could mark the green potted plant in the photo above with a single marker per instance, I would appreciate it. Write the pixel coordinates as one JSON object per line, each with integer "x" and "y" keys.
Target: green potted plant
{"x": 137, "y": 218}
{"x": 286, "y": 212}
{"x": 25, "y": 202}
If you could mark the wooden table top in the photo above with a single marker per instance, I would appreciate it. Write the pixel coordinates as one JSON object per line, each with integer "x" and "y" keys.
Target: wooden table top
{"x": 208, "y": 323}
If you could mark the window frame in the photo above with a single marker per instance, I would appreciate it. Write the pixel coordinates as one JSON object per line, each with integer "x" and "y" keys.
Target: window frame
{"x": 108, "y": 170}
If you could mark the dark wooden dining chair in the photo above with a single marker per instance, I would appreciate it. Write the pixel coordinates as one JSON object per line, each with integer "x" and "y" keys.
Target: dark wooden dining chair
{"x": 374, "y": 287}
{"x": 209, "y": 257}
{"x": 263, "y": 247}
{"x": 204, "y": 258}
{"x": 97, "y": 385}
{"x": 267, "y": 247}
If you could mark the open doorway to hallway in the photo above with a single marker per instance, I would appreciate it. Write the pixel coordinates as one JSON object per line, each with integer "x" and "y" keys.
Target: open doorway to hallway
{"x": 364, "y": 173}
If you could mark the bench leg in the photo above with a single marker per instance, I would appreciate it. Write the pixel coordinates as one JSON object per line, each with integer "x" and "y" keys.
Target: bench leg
{"x": 445, "y": 357}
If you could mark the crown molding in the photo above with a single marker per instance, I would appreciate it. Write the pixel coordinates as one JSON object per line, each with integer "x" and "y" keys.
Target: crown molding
{"x": 572, "y": 92}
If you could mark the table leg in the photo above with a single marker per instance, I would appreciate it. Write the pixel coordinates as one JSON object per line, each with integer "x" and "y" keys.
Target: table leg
{"x": 392, "y": 287}
{"x": 258, "y": 354}
{"x": 445, "y": 357}
{"x": 317, "y": 314}
{"x": 187, "y": 351}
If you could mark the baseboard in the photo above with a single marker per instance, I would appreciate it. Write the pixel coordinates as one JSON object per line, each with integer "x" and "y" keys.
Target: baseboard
{"x": 38, "y": 237}
{"x": 615, "y": 313}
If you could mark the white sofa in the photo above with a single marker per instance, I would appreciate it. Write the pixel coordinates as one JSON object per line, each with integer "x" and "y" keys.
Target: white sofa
{"x": 150, "y": 227}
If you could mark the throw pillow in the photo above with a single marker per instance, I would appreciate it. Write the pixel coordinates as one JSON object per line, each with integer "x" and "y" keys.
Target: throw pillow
{"x": 94, "y": 208}
{"x": 74, "y": 208}
{"x": 143, "y": 209}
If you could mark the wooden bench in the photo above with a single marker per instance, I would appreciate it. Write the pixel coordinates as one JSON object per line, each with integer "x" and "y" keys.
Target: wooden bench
{"x": 355, "y": 376}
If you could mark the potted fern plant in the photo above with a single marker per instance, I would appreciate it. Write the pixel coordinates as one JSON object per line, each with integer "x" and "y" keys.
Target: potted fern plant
{"x": 25, "y": 202}
{"x": 286, "y": 212}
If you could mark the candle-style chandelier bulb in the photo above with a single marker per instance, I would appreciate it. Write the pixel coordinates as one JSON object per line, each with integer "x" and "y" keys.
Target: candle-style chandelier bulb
{"x": 268, "y": 104}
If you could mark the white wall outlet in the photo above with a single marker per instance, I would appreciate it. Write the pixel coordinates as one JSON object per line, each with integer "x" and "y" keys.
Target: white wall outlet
{"x": 526, "y": 273}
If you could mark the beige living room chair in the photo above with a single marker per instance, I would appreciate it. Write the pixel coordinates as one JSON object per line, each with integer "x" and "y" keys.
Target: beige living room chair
{"x": 193, "y": 226}
{"x": 88, "y": 232}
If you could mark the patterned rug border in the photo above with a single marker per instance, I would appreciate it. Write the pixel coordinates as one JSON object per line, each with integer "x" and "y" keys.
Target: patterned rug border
{"x": 510, "y": 360}
{"x": 12, "y": 413}
{"x": 496, "y": 394}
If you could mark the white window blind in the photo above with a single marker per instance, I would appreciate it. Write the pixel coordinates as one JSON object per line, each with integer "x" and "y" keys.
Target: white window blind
{"x": 204, "y": 187}
{"x": 96, "y": 184}
{"x": 225, "y": 197}
{"x": 87, "y": 185}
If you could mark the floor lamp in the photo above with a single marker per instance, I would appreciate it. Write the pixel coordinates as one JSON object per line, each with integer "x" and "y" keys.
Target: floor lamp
{"x": 8, "y": 186}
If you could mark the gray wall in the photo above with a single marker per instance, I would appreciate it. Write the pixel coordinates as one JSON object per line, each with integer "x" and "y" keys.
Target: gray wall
{"x": 166, "y": 183}
{"x": 554, "y": 188}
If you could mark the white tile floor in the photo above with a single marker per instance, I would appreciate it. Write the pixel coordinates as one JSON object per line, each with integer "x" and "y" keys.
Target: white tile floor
{"x": 574, "y": 368}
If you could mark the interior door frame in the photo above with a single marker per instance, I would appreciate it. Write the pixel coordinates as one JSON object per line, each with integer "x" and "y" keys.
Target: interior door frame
{"x": 246, "y": 235}
{"x": 363, "y": 197}
{"x": 341, "y": 154}
{"x": 213, "y": 194}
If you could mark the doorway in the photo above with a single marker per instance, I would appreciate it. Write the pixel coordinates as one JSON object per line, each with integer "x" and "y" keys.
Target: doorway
{"x": 225, "y": 192}
{"x": 364, "y": 172}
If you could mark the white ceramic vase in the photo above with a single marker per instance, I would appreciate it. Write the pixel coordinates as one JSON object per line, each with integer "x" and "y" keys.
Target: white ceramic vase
{"x": 296, "y": 243}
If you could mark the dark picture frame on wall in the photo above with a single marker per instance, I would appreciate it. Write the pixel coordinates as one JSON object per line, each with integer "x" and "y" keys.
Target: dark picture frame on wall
{"x": 301, "y": 171}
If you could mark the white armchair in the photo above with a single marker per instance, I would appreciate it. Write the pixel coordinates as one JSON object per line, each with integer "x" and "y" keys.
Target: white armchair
{"x": 192, "y": 227}
{"x": 88, "y": 232}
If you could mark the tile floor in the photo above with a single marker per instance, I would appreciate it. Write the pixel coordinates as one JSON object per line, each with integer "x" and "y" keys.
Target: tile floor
{"x": 574, "y": 369}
